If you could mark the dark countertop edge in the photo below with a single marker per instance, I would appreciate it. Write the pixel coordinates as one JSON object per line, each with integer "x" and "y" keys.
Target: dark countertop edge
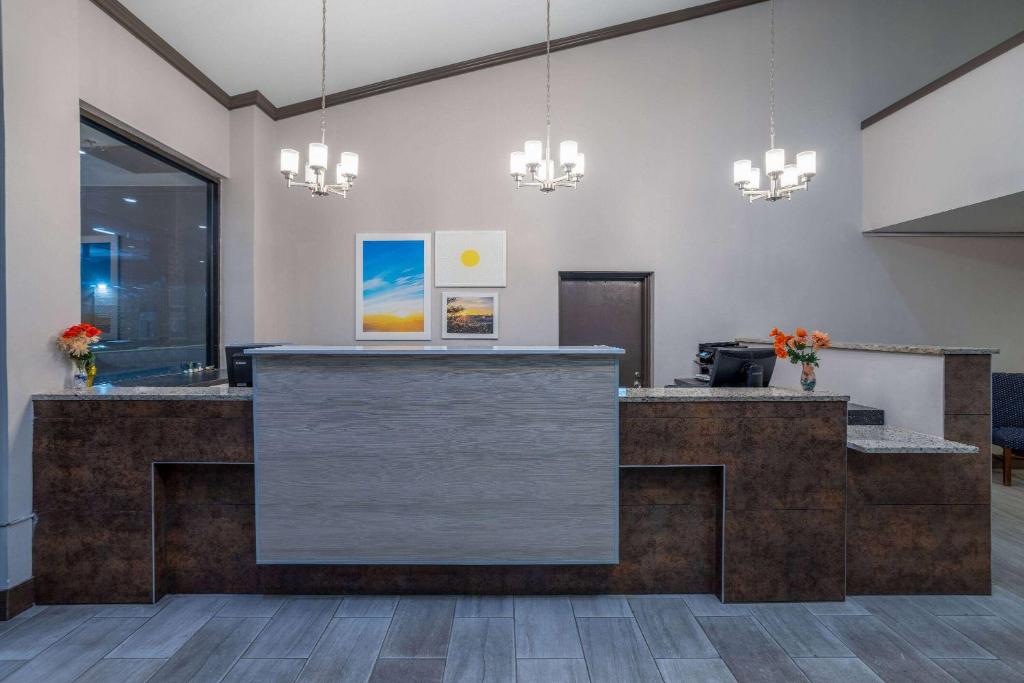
{"x": 891, "y": 348}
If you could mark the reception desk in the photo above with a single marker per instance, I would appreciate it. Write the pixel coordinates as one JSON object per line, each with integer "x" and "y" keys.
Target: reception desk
{"x": 741, "y": 493}
{"x": 143, "y": 492}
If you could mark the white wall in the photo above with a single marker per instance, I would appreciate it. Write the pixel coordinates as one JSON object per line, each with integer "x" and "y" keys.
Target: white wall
{"x": 245, "y": 210}
{"x": 41, "y": 228}
{"x": 661, "y": 116}
{"x": 959, "y": 145}
{"x": 56, "y": 53}
{"x": 909, "y": 387}
{"x": 123, "y": 78}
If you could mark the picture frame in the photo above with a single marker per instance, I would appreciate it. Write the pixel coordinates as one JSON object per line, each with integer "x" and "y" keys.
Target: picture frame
{"x": 478, "y": 316}
{"x": 393, "y": 292}
{"x": 470, "y": 258}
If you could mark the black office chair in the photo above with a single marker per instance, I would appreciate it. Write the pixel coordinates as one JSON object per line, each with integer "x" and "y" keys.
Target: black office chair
{"x": 1008, "y": 418}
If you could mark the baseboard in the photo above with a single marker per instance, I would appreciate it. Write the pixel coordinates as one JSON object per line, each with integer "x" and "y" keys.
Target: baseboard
{"x": 16, "y": 600}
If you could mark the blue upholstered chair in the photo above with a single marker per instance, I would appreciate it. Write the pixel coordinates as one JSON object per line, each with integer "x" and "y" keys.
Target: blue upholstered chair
{"x": 1008, "y": 418}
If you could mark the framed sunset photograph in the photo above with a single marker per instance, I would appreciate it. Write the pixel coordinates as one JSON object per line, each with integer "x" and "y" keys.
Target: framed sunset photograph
{"x": 392, "y": 286}
{"x": 469, "y": 315}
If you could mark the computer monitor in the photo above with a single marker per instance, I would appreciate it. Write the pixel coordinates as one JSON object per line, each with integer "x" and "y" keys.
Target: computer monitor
{"x": 730, "y": 366}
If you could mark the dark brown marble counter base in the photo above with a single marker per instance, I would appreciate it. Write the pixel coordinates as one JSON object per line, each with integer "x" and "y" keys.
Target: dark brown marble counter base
{"x": 115, "y": 481}
{"x": 784, "y": 469}
{"x": 140, "y": 498}
{"x": 918, "y": 523}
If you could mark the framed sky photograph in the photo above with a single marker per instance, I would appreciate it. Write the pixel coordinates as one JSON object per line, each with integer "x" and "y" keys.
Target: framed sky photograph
{"x": 469, "y": 315}
{"x": 392, "y": 286}
{"x": 469, "y": 258}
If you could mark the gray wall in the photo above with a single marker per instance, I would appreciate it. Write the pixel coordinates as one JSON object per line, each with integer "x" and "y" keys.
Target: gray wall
{"x": 661, "y": 116}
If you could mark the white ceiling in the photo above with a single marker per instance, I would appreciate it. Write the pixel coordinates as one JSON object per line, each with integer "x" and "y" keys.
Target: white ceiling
{"x": 274, "y": 45}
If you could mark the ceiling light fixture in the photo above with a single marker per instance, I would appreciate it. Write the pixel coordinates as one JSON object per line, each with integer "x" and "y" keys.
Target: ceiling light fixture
{"x": 535, "y": 162}
{"x": 130, "y": 200}
{"x": 315, "y": 178}
{"x": 783, "y": 179}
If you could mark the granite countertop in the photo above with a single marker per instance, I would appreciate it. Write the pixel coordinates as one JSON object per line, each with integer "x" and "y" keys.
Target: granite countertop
{"x": 885, "y": 439}
{"x": 225, "y": 393}
{"x": 892, "y": 348}
{"x": 695, "y": 394}
{"x": 107, "y": 392}
{"x": 420, "y": 350}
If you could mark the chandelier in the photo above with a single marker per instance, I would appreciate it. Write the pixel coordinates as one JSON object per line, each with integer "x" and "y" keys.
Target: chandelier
{"x": 315, "y": 177}
{"x": 533, "y": 167}
{"x": 783, "y": 179}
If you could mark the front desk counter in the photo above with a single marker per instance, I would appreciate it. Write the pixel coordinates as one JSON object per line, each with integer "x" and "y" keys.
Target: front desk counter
{"x": 741, "y": 493}
{"x": 143, "y": 492}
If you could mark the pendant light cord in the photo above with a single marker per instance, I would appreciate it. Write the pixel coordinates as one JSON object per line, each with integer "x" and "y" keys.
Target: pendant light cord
{"x": 771, "y": 77}
{"x": 547, "y": 155}
{"x": 323, "y": 72}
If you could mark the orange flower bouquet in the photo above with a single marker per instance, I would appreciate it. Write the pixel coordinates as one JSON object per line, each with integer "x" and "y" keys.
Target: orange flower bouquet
{"x": 76, "y": 343}
{"x": 802, "y": 348}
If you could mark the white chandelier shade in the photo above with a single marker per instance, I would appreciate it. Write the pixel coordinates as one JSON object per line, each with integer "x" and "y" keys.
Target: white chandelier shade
{"x": 783, "y": 178}
{"x": 533, "y": 166}
{"x": 314, "y": 177}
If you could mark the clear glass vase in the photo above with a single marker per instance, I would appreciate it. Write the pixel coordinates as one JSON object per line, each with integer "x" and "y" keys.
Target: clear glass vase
{"x": 82, "y": 373}
{"x": 807, "y": 378}
{"x": 79, "y": 375}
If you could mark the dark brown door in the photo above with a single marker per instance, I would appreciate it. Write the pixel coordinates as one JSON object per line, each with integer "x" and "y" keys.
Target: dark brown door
{"x": 612, "y": 309}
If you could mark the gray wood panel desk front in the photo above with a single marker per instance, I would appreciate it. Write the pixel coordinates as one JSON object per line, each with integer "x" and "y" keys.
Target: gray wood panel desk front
{"x": 421, "y": 455}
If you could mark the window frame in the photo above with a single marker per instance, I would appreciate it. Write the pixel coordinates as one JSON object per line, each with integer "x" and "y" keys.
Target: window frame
{"x": 113, "y": 128}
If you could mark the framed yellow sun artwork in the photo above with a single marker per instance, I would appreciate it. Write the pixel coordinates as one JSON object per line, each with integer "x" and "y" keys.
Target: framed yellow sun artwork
{"x": 469, "y": 258}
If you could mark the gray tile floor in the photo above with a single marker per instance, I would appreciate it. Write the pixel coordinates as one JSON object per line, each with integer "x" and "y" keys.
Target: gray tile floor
{"x": 612, "y": 639}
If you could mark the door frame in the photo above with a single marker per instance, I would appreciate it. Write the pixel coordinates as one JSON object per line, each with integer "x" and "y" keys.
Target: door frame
{"x": 646, "y": 280}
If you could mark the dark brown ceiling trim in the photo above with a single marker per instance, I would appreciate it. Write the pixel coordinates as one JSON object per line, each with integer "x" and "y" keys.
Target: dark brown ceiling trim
{"x": 498, "y": 58}
{"x": 253, "y": 98}
{"x": 149, "y": 37}
{"x": 137, "y": 28}
{"x": 967, "y": 67}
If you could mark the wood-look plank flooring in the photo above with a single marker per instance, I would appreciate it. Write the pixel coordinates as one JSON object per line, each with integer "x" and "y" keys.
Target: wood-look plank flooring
{"x": 524, "y": 639}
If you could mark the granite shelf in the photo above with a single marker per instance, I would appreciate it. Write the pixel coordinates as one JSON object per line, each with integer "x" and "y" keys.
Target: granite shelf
{"x": 107, "y": 392}
{"x": 892, "y": 348}
{"x": 697, "y": 394}
{"x": 886, "y": 439}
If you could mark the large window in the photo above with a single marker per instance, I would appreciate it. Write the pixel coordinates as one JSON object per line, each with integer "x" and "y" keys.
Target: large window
{"x": 149, "y": 236}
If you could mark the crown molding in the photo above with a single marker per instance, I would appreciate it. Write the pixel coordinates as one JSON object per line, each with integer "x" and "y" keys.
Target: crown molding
{"x": 948, "y": 77}
{"x": 161, "y": 47}
{"x": 253, "y": 98}
{"x": 514, "y": 55}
